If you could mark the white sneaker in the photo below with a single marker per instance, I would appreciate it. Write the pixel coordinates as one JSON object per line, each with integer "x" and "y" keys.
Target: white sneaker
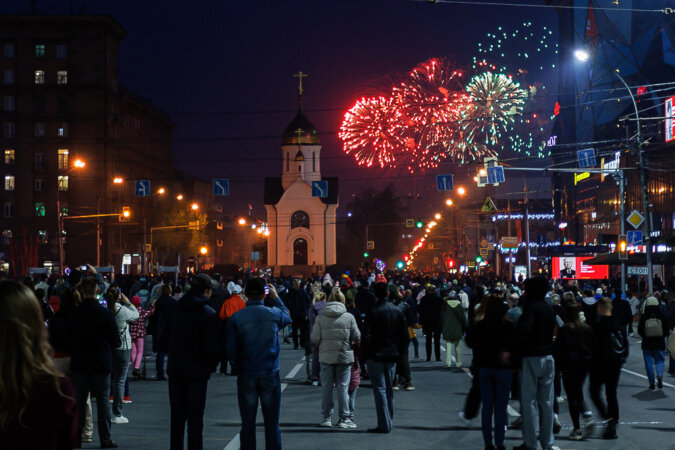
{"x": 346, "y": 424}
{"x": 326, "y": 423}
{"x": 464, "y": 419}
{"x": 119, "y": 419}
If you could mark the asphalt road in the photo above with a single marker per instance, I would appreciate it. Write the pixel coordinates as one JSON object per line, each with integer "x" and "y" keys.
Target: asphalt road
{"x": 424, "y": 419}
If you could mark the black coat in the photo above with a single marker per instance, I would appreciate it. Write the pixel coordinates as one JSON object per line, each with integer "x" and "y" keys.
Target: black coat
{"x": 622, "y": 313}
{"x": 430, "y": 312}
{"x": 191, "y": 338}
{"x": 94, "y": 335}
{"x": 491, "y": 343}
{"x": 573, "y": 346}
{"x": 386, "y": 334}
{"x": 364, "y": 300}
{"x": 162, "y": 307}
{"x": 653, "y": 343}
{"x": 218, "y": 297}
{"x": 297, "y": 301}
{"x": 60, "y": 332}
{"x": 534, "y": 332}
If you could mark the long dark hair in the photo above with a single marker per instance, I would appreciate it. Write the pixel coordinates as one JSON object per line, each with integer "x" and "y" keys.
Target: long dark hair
{"x": 572, "y": 320}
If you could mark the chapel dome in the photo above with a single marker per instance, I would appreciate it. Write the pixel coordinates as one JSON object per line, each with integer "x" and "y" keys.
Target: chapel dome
{"x": 308, "y": 133}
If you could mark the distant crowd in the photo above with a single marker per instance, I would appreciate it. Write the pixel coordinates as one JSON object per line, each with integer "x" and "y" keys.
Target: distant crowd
{"x": 69, "y": 342}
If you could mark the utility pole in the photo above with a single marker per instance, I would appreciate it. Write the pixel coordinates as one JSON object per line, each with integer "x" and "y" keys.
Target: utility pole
{"x": 620, "y": 177}
{"x": 527, "y": 232}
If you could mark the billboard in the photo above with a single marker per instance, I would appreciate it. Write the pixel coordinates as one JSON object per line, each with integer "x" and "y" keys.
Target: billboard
{"x": 573, "y": 268}
{"x": 670, "y": 129}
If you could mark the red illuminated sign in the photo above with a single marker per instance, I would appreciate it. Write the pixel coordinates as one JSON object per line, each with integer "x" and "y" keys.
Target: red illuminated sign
{"x": 573, "y": 268}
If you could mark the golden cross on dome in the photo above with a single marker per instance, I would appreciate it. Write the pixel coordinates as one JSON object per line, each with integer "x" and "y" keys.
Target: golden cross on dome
{"x": 300, "y": 75}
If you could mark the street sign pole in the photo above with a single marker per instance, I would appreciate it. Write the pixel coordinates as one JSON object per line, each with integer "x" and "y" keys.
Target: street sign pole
{"x": 623, "y": 228}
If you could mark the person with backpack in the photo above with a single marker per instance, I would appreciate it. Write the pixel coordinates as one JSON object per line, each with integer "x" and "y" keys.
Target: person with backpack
{"x": 453, "y": 326}
{"x": 653, "y": 328}
{"x": 610, "y": 351}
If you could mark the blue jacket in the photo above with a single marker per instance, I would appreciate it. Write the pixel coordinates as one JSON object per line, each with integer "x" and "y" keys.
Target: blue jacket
{"x": 190, "y": 338}
{"x": 253, "y": 338}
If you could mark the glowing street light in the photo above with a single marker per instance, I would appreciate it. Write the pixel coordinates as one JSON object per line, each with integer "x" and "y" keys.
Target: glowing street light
{"x": 437, "y": 216}
{"x": 161, "y": 191}
{"x": 79, "y": 163}
{"x": 259, "y": 231}
{"x": 242, "y": 221}
{"x": 195, "y": 206}
{"x": 118, "y": 180}
{"x": 203, "y": 249}
{"x": 179, "y": 197}
{"x": 461, "y": 190}
{"x": 267, "y": 232}
{"x": 582, "y": 55}
{"x": 448, "y": 202}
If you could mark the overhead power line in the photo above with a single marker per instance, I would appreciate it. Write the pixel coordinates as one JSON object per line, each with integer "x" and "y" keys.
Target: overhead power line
{"x": 666, "y": 11}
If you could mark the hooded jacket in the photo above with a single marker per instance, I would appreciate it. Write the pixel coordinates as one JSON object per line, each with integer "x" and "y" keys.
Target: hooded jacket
{"x": 534, "y": 331}
{"x": 453, "y": 320}
{"x": 190, "y": 338}
{"x": 385, "y": 337}
{"x": 334, "y": 331}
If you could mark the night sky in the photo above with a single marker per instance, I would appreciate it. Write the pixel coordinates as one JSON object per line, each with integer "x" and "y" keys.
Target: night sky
{"x": 223, "y": 70}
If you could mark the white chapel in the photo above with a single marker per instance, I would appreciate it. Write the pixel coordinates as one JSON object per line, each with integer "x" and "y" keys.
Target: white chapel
{"x": 302, "y": 227}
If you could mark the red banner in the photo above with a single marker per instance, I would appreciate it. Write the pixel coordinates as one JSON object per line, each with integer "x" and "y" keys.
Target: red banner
{"x": 573, "y": 268}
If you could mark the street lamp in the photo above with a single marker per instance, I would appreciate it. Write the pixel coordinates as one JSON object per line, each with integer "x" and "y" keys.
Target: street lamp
{"x": 241, "y": 221}
{"x": 195, "y": 206}
{"x": 461, "y": 190}
{"x": 583, "y": 56}
{"x": 78, "y": 164}
{"x": 448, "y": 202}
{"x": 161, "y": 191}
{"x": 118, "y": 180}
{"x": 179, "y": 197}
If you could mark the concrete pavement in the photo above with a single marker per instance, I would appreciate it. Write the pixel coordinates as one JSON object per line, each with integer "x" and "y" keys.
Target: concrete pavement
{"x": 424, "y": 419}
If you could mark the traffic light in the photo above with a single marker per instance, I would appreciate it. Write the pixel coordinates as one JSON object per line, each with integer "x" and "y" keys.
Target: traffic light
{"x": 419, "y": 224}
{"x": 126, "y": 214}
{"x": 622, "y": 246}
{"x": 365, "y": 254}
{"x": 479, "y": 260}
{"x": 400, "y": 265}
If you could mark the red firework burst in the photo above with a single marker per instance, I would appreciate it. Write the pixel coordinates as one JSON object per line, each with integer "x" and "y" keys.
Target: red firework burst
{"x": 373, "y": 131}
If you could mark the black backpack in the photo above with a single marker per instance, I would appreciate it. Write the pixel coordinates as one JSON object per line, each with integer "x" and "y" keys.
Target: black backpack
{"x": 616, "y": 347}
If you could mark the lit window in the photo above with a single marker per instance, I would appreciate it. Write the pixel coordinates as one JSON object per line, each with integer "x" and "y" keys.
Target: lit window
{"x": 61, "y": 51}
{"x": 39, "y": 50}
{"x": 219, "y": 225}
{"x": 9, "y": 209}
{"x": 62, "y": 77}
{"x": 6, "y": 234}
{"x": 9, "y": 103}
{"x": 9, "y": 50}
{"x": 42, "y": 237}
{"x": 39, "y": 129}
{"x": 39, "y": 185}
{"x": 9, "y": 182}
{"x": 39, "y": 77}
{"x": 219, "y": 242}
{"x": 63, "y": 130}
{"x": 9, "y": 76}
{"x": 8, "y": 129}
{"x": 39, "y": 161}
{"x": 40, "y": 209}
{"x": 63, "y": 158}
{"x": 63, "y": 182}
{"x": 9, "y": 156}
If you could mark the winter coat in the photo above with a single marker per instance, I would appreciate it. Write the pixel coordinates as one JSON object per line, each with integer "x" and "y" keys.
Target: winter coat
{"x": 386, "y": 335}
{"x": 94, "y": 335}
{"x": 534, "y": 331}
{"x": 253, "y": 338}
{"x": 653, "y": 343}
{"x": 334, "y": 331}
{"x": 190, "y": 338}
{"x": 297, "y": 301}
{"x": 230, "y": 306}
{"x": 588, "y": 306}
{"x": 453, "y": 320}
{"x": 314, "y": 312}
{"x": 491, "y": 343}
{"x": 573, "y": 346}
{"x": 430, "y": 312}
{"x": 137, "y": 328}
{"x": 124, "y": 316}
{"x": 162, "y": 307}
{"x": 60, "y": 332}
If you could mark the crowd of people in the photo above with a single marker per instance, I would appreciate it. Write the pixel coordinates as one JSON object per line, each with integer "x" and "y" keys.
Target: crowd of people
{"x": 69, "y": 342}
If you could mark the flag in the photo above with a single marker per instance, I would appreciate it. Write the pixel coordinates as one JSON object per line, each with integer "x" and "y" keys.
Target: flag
{"x": 591, "y": 34}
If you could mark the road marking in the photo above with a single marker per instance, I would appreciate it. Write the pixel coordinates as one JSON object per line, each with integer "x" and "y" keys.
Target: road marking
{"x": 645, "y": 377}
{"x": 235, "y": 444}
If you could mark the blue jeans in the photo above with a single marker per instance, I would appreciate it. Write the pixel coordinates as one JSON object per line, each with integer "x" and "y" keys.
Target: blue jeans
{"x": 381, "y": 378}
{"x": 268, "y": 390}
{"x": 495, "y": 386}
{"x": 121, "y": 361}
{"x": 187, "y": 398}
{"x": 654, "y": 357}
{"x": 536, "y": 399}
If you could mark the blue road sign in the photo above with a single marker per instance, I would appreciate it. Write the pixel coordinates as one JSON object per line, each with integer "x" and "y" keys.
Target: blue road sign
{"x": 221, "y": 186}
{"x": 320, "y": 189}
{"x": 586, "y": 158}
{"x": 142, "y": 188}
{"x": 495, "y": 175}
{"x": 634, "y": 237}
{"x": 444, "y": 183}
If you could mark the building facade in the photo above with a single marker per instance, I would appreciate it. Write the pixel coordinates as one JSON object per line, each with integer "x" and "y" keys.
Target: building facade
{"x": 62, "y": 102}
{"x": 302, "y": 227}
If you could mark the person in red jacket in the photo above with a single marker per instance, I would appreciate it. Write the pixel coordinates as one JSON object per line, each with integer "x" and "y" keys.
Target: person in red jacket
{"x": 37, "y": 409}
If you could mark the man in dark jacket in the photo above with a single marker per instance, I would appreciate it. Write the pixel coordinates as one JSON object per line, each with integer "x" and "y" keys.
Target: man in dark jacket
{"x": 94, "y": 335}
{"x": 190, "y": 338}
{"x": 163, "y": 305}
{"x": 606, "y": 364}
{"x": 534, "y": 335}
{"x": 385, "y": 340}
{"x": 298, "y": 303}
{"x": 218, "y": 297}
{"x": 430, "y": 319}
{"x": 253, "y": 346}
